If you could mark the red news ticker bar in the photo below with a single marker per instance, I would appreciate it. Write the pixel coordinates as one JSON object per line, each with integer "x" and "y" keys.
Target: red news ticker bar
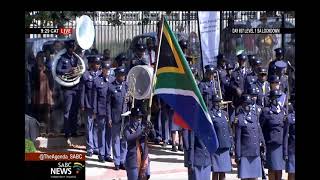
{"x": 65, "y": 31}
{"x": 65, "y": 156}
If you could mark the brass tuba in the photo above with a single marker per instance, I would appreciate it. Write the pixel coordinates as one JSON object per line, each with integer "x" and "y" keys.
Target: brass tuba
{"x": 85, "y": 34}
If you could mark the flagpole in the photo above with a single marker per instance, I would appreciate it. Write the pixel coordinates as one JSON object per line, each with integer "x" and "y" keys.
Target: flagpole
{"x": 155, "y": 71}
{"x": 201, "y": 58}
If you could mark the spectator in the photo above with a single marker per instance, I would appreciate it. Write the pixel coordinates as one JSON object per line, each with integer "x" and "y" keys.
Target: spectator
{"x": 42, "y": 97}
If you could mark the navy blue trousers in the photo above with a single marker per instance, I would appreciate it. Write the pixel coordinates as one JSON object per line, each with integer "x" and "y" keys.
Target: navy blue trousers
{"x": 71, "y": 108}
{"x": 89, "y": 129}
{"x": 119, "y": 146}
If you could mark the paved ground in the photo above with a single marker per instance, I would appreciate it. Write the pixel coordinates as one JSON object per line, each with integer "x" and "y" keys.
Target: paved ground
{"x": 165, "y": 164}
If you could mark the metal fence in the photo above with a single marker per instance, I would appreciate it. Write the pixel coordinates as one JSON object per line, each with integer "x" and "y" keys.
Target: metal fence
{"x": 117, "y": 35}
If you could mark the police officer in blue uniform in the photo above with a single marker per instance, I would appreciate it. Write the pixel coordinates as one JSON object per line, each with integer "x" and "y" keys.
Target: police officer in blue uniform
{"x": 122, "y": 61}
{"x": 221, "y": 68}
{"x": 87, "y": 99}
{"x": 275, "y": 85}
{"x": 221, "y": 160}
{"x": 226, "y": 88}
{"x": 251, "y": 59}
{"x": 280, "y": 71}
{"x": 263, "y": 86}
{"x": 253, "y": 75}
{"x": 137, "y": 162}
{"x": 117, "y": 105}
{"x": 279, "y": 56}
{"x": 248, "y": 140}
{"x": 101, "y": 87}
{"x": 289, "y": 143}
{"x": 164, "y": 120}
{"x": 105, "y": 66}
{"x": 199, "y": 161}
{"x": 67, "y": 64}
{"x": 139, "y": 55}
{"x": 186, "y": 132}
{"x": 272, "y": 121}
{"x": 253, "y": 91}
{"x": 238, "y": 79}
{"x": 155, "y": 114}
{"x": 174, "y": 129}
{"x": 208, "y": 86}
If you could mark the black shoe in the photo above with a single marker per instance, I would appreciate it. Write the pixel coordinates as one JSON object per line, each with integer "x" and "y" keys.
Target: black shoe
{"x": 180, "y": 148}
{"x": 101, "y": 159}
{"x": 174, "y": 149}
{"x": 67, "y": 136}
{"x": 116, "y": 167}
{"x": 122, "y": 167}
{"x": 95, "y": 152}
{"x": 108, "y": 159}
{"x": 89, "y": 154}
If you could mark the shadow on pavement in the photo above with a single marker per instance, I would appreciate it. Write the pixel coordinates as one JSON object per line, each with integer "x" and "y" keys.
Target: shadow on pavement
{"x": 152, "y": 150}
{"x": 98, "y": 166}
{"x": 233, "y": 172}
{"x": 167, "y": 160}
{"x": 91, "y": 159}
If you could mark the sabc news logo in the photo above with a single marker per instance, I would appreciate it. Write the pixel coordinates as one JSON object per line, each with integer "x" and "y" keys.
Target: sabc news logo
{"x": 66, "y": 168}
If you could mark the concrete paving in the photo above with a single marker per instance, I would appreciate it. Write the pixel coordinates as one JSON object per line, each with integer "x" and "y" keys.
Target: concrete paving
{"x": 165, "y": 164}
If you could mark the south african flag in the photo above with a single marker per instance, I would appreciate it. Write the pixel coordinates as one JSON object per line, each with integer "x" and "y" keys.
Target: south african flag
{"x": 176, "y": 86}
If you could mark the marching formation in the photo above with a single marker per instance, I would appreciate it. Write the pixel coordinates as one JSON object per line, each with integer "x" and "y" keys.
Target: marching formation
{"x": 251, "y": 107}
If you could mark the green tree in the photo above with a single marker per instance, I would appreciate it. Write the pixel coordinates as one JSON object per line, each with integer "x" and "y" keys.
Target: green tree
{"x": 58, "y": 18}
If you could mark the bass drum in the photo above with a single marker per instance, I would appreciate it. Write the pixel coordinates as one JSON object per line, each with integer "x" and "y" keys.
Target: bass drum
{"x": 139, "y": 80}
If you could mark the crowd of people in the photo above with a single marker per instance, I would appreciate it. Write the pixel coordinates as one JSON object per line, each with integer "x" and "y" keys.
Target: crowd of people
{"x": 251, "y": 106}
